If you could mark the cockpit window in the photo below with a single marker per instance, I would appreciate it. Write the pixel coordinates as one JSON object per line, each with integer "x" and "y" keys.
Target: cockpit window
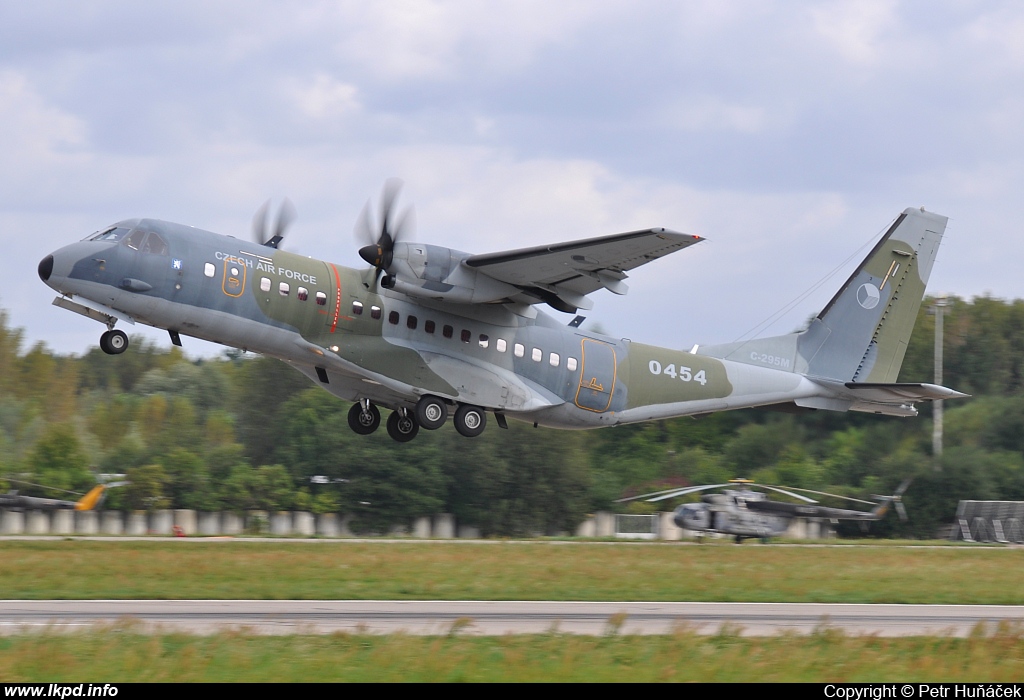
{"x": 134, "y": 241}
{"x": 155, "y": 245}
{"x": 114, "y": 233}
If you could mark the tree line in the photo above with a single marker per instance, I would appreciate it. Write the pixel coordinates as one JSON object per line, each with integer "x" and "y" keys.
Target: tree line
{"x": 242, "y": 432}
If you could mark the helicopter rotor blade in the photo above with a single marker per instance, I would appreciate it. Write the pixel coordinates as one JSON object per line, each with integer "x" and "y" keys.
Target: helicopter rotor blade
{"x": 834, "y": 495}
{"x": 788, "y": 493}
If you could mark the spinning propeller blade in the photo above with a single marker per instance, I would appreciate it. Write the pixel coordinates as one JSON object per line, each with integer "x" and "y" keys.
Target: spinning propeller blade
{"x": 285, "y": 216}
{"x": 380, "y": 241}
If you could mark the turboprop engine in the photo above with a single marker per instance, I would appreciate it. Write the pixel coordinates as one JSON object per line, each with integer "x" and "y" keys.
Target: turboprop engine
{"x": 435, "y": 272}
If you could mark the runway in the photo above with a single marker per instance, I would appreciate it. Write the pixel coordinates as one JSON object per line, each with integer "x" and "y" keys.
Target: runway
{"x": 500, "y": 617}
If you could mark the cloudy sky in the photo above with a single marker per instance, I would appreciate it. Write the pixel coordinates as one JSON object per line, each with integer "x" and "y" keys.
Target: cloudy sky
{"x": 787, "y": 133}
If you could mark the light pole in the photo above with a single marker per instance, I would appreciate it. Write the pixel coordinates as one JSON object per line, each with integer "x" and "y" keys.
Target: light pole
{"x": 939, "y": 309}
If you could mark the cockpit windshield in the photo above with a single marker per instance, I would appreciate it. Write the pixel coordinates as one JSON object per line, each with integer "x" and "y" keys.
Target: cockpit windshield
{"x": 114, "y": 233}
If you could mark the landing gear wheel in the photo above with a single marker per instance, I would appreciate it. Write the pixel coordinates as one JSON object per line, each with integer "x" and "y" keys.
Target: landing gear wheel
{"x": 114, "y": 342}
{"x": 470, "y": 421}
{"x": 431, "y": 412}
{"x": 363, "y": 422}
{"x": 402, "y": 427}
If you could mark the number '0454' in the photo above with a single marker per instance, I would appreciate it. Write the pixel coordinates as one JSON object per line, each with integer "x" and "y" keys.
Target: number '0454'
{"x": 683, "y": 373}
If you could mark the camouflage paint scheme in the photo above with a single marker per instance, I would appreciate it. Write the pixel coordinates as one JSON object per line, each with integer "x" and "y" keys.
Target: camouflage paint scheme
{"x": 361, "y": 341}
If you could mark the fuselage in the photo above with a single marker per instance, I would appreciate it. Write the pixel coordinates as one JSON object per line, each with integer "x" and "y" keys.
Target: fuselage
{"x": 363, "y": 342}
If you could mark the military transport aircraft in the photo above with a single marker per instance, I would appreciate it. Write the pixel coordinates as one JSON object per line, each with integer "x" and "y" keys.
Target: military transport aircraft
{"x": 744, "y": 513}
{"x": 427, "y": 331}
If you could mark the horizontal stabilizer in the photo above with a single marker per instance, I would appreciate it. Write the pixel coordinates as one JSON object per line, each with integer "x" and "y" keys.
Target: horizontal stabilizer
{"x": 903, "y": 392}
{"x": 894, "y": 399}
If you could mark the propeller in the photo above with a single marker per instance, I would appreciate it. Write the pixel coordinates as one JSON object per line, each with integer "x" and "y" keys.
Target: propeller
{"x": 285, "y": 216}
{"x": 380, "y": 239}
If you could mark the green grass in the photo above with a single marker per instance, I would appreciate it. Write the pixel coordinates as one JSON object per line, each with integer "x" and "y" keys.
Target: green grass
{"x": 117, "y": 654}
{"x": 74, "y": 569}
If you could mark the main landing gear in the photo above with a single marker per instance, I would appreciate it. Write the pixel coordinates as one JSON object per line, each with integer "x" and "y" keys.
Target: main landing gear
{"x": 114, "y": 342}
{"x": 430, "y": 413}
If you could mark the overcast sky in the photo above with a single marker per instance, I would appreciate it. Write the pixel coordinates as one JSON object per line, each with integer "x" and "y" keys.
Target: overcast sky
{"x": 789, "y": 134}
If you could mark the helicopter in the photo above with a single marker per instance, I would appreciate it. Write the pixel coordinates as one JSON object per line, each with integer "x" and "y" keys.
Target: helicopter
{"x": 744, "y": 513}
{"x": 92, "y": 500}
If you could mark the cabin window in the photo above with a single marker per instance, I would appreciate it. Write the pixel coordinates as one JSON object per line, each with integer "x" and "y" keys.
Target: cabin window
{"x": 209, "y": 269}
{"x": 284, "y": 288}
{"x": 448, "y": 331}
{"x": 321, "y": 299}
{"x": 428, "y": 326}
{"x": 303, "y": 294}
{"x": 357, "y": 308}
{"x": 554, "y": 360}
{"x": 537, "y": 355}
{"x": 466, "y": 336}
{"x": 484, "y": 342}
{"x": 519, "y": 350}
{"x": 410, "y": 323}
{"x": 500, "y": 345}
{"x": 375, "y": 312}
{"x": 393, "y": 318}
{"x": 265, "y": 284}
{"x": 570, "y": 364}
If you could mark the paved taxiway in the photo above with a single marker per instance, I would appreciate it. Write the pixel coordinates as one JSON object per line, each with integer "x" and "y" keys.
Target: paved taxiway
{"x": 500, "y": 617}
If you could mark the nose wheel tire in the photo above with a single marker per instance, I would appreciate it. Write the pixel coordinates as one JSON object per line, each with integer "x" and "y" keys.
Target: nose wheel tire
{"x": 114, "y": 342}
{"x": 470, "y": 421}
{"x": 431, "y": 412}
{"x": 363, "y": 422}
{"x": 402, "y": 426}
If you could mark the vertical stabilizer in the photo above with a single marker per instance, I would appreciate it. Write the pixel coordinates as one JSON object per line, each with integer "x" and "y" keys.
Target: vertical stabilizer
{"x": 862, "y": 333}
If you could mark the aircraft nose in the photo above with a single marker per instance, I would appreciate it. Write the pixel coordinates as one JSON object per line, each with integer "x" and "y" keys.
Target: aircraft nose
{"x": 46, "y": 268}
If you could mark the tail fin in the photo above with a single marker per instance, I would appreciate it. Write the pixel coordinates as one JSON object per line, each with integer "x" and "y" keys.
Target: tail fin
{"x": 92, "y": 499}
{"x": 896, "y": 499}
{"x": 862, "y": 333}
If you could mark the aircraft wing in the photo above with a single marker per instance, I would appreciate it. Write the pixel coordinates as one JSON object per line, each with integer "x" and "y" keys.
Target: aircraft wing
{"x": 563, "y": 274}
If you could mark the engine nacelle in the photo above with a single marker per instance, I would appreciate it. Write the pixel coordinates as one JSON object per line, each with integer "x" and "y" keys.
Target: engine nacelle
{"x": 435, "y": 272}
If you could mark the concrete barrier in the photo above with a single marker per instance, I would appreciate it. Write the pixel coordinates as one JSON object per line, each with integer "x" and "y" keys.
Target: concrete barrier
{"x": 37, "y": 522}
{"x": 137, "y": 523}
{"x": 12, "y": 522}
{"x": 161, "y": 522}
{"x": 231, "y": 524}
{"x": 588, "y": 528}
{"x": 186, "y": 520}
{"x": 209, "y": 523}
{"x": 62, "y": 522}
{"x": 112, "y": 522}
{"x": 604, "y": 524}
{"x": 87, "y": 522}
{"x": 444, "y": 526}
{"x": 327, "y": 525}
{"x": 667, "y": 529}
{"x": 303, "y": 524}
{"x": 421, "y": 527}
{"x": 281, "y": 524}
